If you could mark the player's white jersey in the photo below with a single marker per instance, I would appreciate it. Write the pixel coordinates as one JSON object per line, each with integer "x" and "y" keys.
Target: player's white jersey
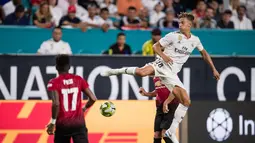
{"x": 178, "y": 47}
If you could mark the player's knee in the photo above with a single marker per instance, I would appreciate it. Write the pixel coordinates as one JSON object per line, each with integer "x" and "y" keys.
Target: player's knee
{"x": 187, "y": 103}
{"x": 157, "y": 134}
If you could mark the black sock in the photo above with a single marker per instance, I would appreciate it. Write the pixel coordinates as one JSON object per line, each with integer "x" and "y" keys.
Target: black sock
{"x": 157, "y": 140}
{"x": 167, "y": 140}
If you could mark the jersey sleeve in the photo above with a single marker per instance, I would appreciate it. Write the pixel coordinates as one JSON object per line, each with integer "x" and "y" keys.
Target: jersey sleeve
{"x": 166, "y": 40}
{"x": 199, "y": 46}
{"x": 51, "y": 86}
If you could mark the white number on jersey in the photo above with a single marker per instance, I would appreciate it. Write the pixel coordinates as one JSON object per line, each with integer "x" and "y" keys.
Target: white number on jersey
{"x": 72, "y": 91}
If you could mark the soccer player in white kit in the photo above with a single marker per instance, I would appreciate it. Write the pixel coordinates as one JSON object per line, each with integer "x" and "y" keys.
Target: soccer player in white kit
{"x": 176, "y": 46}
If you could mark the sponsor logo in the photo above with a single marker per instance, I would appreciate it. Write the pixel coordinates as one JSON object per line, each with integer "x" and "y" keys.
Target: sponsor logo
{"x": 219, "y": 124}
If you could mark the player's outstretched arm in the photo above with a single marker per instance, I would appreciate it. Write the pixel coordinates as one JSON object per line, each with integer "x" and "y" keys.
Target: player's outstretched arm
{"x": 91, "y": 98}
{"x": 209, "y": 61}
{"x": 149, "y": 94}
{"x": 158, "y": 50}
{"x": 54, "y": 111}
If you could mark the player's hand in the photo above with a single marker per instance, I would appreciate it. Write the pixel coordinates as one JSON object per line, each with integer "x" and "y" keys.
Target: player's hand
{"x": 167, "y": 59}
{"x": 84, "y": 109}
{"x": 142, "y": 91}
{"x": 165, "y": 108}
{"x": 50, "y": 129}
{"x": 216, "y": 74}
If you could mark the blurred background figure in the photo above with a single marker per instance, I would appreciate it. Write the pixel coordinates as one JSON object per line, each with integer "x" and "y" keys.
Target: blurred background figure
{"x": 18, "y": 17}
{"x": 207, "y": 21}
{"x": 71, "y": 21}
{"x": 120, "y": 47}
{"x": 169, "y": 21}
{"x": 200, "y": 10}
{"x": 104, "y": 14}
{"x": 10, "y": 6}
{"x": 43, "y": 18}
{"x": 131, "y": 20}
{"x": 124, "y": 5}
{"x": 55, "y": 11}
{"x": 55, "y": 45}
{"x": 225, "y": 22}
{"x": 147, "y": 49}
{"x": 95, "y": 21}
{"x": 156, "y": 14}
{"x": 241, "y": 21}
{"x": 113, "y": 10}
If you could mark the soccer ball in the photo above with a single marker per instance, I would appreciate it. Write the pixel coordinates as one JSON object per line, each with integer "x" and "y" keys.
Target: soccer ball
{"x": 107, "y": 109}
{"x": 219, "y": 124}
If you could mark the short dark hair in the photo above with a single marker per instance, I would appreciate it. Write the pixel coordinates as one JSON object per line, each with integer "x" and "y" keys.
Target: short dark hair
{"x": 120, "y": 34}
{"x": 104, "y": 9}
{"x": 241, "y": 6}
{"x": 56, "y": 27}
{"x": 62, "y": 62}
{"x": 131, "y": 8}
{"x": 19, "y": 8}
{"x": 156, "y": 31}
{"x": 189, "y": 16}
{"x": 228, "y": 12}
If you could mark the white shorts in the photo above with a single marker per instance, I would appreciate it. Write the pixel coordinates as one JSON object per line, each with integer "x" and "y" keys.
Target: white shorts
{"x": 166, "y": 74}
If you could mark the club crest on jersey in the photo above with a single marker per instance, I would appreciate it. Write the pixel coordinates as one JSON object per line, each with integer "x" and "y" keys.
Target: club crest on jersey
{"x": 158, "y": 83}
{"x": 180, "y": 37}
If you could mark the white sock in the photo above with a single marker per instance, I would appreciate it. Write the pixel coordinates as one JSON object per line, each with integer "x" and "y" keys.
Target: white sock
{"x": 127, "y": 70}
{"x": 178, "y": 116}
{"x": 174, "y": 138}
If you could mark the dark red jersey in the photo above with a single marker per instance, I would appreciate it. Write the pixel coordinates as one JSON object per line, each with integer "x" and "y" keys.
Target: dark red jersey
{"x": 69, "y": 88}
{"x": 162, "y": 92}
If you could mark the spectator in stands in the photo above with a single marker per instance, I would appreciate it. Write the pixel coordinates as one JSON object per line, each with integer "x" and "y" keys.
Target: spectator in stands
{"x": 43, "y": 18}
{"x": 199, "y": 12}
{"x": 86, "y": 3}
{"x": 225, "y": 22}
{"x": 178, "y": 7}
{"x": 241, "y": 21}
{"x": 95, "y": 21}
{"x": 156, "y": 15}
{"x": 18, "y": 17}
{"x": 124, "y": 5}
{"x": 55, "y": 11}
{"x": 216, "y": 10}
{"x": 104, "y": 14}
{"x": 131, "y": 20}
{"x": 208, "y": 21}
{"x": 169, "y": 21}
{"x": 150, "y": 5}
{"x": 113, "y": 10}
{"x": 10, "y": 6}
{"x": 55, "y": 45}
{"x": 80, "y": 11}
{"x": 147, "y": 49}
{"x": 144, "y": 18}
{"x": 120, "y": 47}
{"x": 36, "y": 2}
{"x": 71, "y": 21}
{"x": 168, "y": 5}
{"x": 233, "y": 5}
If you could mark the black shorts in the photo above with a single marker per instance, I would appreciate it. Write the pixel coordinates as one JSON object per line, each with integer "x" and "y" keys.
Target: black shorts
{"x": 78, "y": 135}
{"x": 162, "y": 120}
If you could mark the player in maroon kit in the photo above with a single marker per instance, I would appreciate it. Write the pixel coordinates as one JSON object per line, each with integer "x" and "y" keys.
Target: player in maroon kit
{"x": 162, "y": 120}
{"x": 67, "y": 111}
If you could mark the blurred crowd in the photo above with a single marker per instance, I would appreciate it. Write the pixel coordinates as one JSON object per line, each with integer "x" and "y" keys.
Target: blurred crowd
{"x": 127, "y": 14}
